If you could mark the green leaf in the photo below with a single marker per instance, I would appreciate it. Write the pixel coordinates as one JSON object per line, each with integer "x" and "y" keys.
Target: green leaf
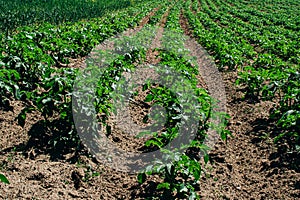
{"x": 44, "y": 101}
{"x": 143, "y": 133}
{"x": 224, "y": 134}
{"x": 63, "y": 114}
{"x": 193, "y": 196}
{"x": 149, "y": 98}
{"x": 206, "y": 158}
{"x": 277, "y": 138}
{"x": 149, "y": 169}
{"x": 3, "y": 179}
{"x": 163, "y": 186}
{"x": 183, "y": 188}
{"x": 145, "y": 87}
{"x": 153, "y": 142}
{"x": 197, "y": 174}
{"x": 22, "y": 117}
{"x": 141, "y": 178}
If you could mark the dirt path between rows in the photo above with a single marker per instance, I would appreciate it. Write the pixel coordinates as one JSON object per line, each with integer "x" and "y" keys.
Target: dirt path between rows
{"x": 247, "y": 166}
{"x": 33, "y": 172}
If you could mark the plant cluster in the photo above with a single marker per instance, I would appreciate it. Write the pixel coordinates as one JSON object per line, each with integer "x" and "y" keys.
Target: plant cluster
{"x": 181, "y": 175}
{"x": 247, "y": 36}
{"x": 261, "y": 44}
{"x": 27, "y": 12}
{"x": 34, "y": 63}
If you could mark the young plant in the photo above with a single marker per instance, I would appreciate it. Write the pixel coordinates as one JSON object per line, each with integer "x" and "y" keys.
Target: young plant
{"x": 3, "y": 179}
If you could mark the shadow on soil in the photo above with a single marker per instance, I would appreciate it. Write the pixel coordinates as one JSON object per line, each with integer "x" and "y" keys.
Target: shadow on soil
{"x": 148, "y": 190}
{"x": 144, "y": 192}
{"x": 285, "y": 156}
{"x": 54, "y": 138}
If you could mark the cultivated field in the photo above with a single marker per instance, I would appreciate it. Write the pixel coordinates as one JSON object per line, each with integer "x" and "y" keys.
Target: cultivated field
{"x": 225, "y": 67}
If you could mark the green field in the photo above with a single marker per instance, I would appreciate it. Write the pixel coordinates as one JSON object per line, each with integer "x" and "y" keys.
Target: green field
{"x": 17, "y": 13}
{"x": 259, "y": 41}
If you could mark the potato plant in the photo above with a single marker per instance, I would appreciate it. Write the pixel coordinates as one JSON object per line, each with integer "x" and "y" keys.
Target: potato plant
{"x": 40, "y": 40}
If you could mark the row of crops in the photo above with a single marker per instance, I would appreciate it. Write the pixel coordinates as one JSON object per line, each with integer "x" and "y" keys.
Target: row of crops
{"x": 33, "y": 63}
{"x": 16, "y": 13}
{"x": 262, "y": 46}
{"x": 30, "y": 54}
{"x": 34, "y": 60}
{"x": 246, "y": 36}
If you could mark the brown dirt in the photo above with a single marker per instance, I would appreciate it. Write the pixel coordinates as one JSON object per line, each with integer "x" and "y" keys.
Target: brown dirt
{"x": 247, "y": 166}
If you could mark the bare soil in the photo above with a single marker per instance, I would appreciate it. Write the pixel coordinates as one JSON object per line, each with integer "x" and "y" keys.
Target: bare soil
{"x": 247, "y": 166}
